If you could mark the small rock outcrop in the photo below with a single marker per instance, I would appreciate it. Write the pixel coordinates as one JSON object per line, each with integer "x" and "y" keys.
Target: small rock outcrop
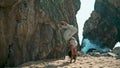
{"x": 29, "y": 29}
{"x": 116, "y": 51}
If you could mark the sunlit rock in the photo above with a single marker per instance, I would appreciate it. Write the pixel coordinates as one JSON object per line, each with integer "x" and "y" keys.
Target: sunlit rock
{"x": 29, "y": 29}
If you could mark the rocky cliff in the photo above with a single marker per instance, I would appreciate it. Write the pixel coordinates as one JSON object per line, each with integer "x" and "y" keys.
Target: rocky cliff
{"x": 103, "y": 27}
{"x": 29, "y": 29}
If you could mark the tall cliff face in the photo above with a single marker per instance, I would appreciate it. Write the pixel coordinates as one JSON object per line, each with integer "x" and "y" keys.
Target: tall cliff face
{"x": 103, "y": 27}
{"x": 29, "y": 29}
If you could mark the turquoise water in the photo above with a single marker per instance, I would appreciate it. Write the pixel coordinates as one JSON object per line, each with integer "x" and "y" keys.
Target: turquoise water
{"x": 88, "y": 45}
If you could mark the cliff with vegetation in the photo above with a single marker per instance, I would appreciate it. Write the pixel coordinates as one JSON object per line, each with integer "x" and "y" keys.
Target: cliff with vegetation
{"x": 29, "y": 29}
{"x": 103, "y": 27}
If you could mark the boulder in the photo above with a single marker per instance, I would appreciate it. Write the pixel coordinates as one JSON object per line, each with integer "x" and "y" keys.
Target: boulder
{"x": 116, "y": 51}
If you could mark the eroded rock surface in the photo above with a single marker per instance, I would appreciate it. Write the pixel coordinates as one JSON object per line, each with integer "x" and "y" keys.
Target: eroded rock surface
{"x": 29, "y": 29}
{"x": 103, "y": 27}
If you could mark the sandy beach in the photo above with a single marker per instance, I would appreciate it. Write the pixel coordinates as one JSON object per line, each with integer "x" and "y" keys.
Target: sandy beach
{"x": 82, "y": 62}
